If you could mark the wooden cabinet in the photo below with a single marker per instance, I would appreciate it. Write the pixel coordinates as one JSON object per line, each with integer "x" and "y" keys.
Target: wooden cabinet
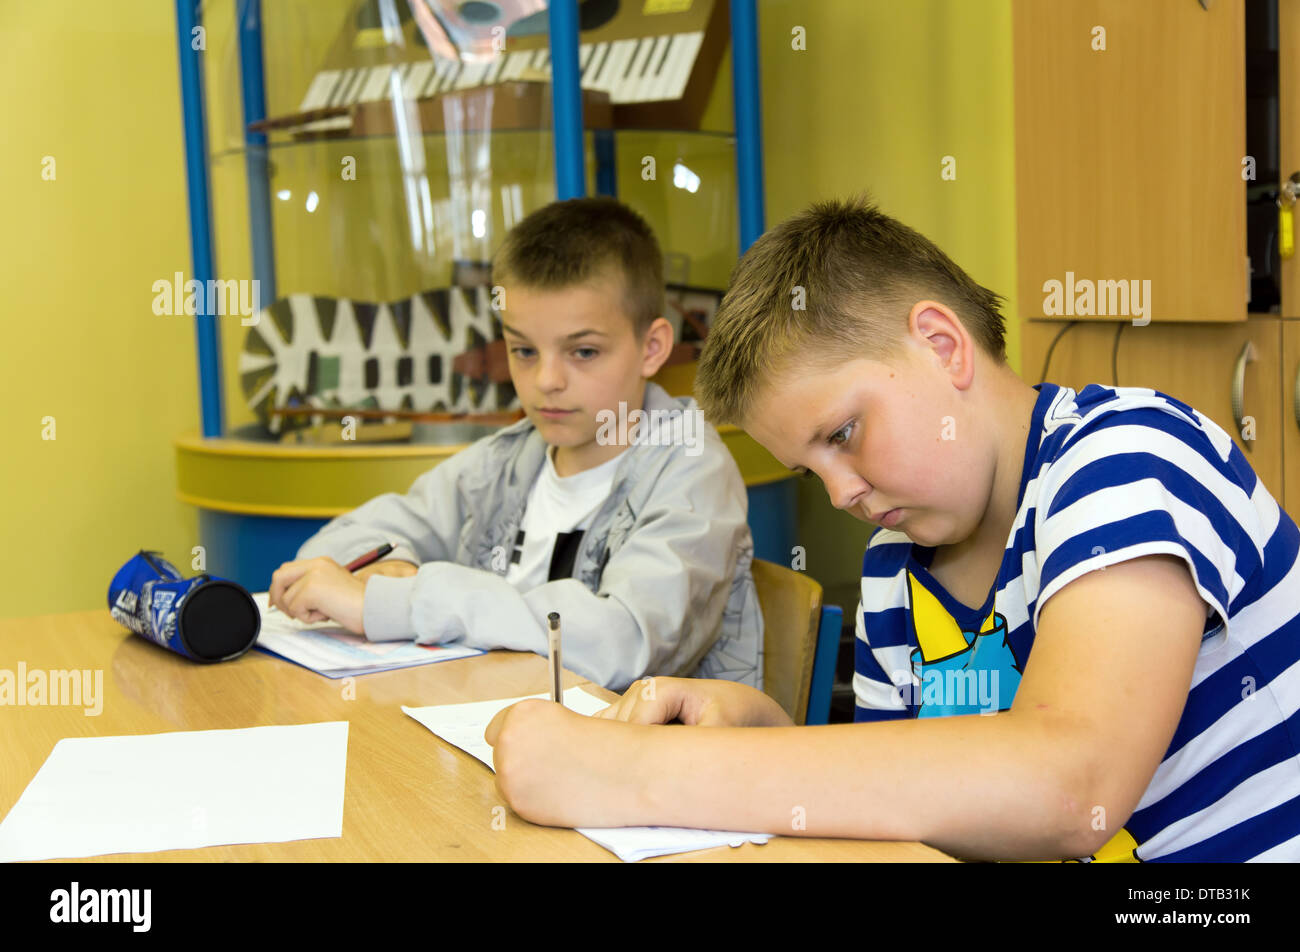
{"x": 1129, "y": 157}
{"x": 1291, "y": 416}
{"x": 1129, "y": 167}
{"x": 1080, "y": 353}
{"x": 1198, "y": 364}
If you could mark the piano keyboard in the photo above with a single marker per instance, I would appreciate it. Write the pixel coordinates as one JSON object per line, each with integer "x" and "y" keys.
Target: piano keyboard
{"x": 648, "y": 69}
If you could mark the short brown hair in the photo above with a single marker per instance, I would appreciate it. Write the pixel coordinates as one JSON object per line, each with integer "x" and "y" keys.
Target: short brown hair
{"x": 859, "y": 272}
{"x": 584, "y": 239}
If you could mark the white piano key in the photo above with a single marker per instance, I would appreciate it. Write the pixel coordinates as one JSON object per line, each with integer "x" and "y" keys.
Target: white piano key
{"x": 494, "y": 70}
{"x": 650, "y": 71}
{"x": 376, "y": 85}
{"x": 637, "y": 80}
{"x": 619, "y": 83}
{"x": 584, "y": 55}
{"x": 340, "y": 94}
{"x": 333, "y": 124}
{"x": 318, "y": 93}
{"x": 429, "y": 87}
{"x": 516, "y": 63}
{"x": 681, "y": 73}
{"x": 446, "y": 72}
{"x": 358, "y": 84}
{"x": 666, "y": 70}
{"x": 343, "y": 87}
{"x": 662, "y": 47}
{"x": 629, "y": 86}
{"x": 619, "y": 58}
{"x": 351, "y": 94}
{"x": 401, "y": 85}
{"x": 471, "y": 75}
{"x": 441, "y": 67}
{"x": 416, "y": 77}
{"x": 614, "y": 65}
{"x": 599, "y": 54}
{"x": 340, "y": 78}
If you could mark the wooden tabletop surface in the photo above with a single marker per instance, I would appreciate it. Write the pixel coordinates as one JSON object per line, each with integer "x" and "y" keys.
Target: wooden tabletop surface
{"x": 409, "y": 795}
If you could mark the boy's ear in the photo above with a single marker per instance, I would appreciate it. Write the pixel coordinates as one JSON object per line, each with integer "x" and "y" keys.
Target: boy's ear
{"x": 946, "y": 337}
{"x": 656, "y": 346}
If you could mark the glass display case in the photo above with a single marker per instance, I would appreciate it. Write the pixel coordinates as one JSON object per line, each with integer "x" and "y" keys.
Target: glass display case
{"x": 362, "y": 160}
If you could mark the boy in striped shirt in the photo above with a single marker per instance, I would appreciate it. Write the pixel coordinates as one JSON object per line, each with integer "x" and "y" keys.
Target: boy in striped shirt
{"x": 1079, "y": 634}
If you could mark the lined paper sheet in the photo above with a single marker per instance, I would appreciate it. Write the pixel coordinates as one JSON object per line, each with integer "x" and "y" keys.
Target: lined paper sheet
{"x": 181, "y": 790}
{"x": 462, "y": 725}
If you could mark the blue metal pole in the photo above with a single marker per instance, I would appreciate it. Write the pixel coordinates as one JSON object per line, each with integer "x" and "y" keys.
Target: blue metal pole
{"x": 749, "y": 123}
{"x": 196, "y": 167}
{"x": 566, "y": 101}
{"x": 773, "y": 509}
{"x": 602, "y": 141}
{"x": 253, "y": 92}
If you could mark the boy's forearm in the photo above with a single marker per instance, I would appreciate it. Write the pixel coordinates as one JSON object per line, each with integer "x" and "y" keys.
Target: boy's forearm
{"x": 1001, "y": 786}
{"x": 446, "y": 602}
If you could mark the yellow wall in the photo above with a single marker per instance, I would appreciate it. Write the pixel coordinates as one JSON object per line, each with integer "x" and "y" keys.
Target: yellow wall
{"x": 96, "y": 87}
{"x": 883, "y": 91}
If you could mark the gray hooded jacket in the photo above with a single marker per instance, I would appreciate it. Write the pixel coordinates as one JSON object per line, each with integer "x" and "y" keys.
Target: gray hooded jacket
{"x": 661, "y": 582}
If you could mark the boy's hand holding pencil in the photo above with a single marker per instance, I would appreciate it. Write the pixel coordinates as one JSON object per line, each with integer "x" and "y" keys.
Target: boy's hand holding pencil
{"x": 556, "y": 767}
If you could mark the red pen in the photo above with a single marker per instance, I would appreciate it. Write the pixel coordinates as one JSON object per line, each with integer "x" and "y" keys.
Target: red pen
{"x": 360, "y": 562}
{"x": 374, "y": 555}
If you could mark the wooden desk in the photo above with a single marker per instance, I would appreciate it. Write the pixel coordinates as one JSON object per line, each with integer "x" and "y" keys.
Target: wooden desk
{"x": 409, "y": 795}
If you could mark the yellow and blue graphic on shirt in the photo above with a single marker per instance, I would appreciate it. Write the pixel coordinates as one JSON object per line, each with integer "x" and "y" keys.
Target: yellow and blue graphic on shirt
{"x": 959, "y": 671}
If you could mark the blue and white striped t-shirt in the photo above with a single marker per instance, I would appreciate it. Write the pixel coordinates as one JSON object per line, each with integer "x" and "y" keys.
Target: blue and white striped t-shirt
{"x": 1112, "y": 474}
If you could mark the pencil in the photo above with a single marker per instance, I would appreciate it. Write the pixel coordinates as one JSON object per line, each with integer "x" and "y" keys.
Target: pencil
{"x": 360, "y": 562}
{"x": 553, "y": 655}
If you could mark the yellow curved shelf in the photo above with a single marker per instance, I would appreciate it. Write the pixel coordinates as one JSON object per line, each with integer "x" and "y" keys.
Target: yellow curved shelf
{"x": 266, "y": 479}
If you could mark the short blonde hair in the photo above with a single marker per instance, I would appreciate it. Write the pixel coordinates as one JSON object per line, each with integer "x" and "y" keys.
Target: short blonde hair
{"x": 834, "y": 283}
{"x": 581, "y": 240}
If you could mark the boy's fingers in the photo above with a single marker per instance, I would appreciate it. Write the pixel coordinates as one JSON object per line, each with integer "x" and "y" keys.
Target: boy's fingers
{"x": 296, "y": 603}
{"x": 282, "y": 578}
{"x": 710, "y": 716}
{"x": 650, "y": 701}
{"x": 494, "y": 727}
{"x": 625, "y": 708}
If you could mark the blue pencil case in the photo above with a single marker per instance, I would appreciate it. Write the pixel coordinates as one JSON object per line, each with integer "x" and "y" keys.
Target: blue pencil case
{"x": 204, "y": 618}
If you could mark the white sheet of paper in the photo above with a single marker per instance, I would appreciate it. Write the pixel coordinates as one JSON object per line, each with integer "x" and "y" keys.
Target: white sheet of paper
{"x": 181, "y": 790}
{"x": 463, "y": 725}
{"x": 632, "y": 843}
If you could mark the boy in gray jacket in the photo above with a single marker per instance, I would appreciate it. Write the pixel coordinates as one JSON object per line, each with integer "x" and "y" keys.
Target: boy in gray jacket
{"x": 612, "y": 503}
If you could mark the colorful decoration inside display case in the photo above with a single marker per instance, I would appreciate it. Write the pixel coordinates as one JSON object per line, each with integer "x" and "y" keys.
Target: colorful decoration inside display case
{"x": 437, "y": 356}
{"x": 431, "y": 353}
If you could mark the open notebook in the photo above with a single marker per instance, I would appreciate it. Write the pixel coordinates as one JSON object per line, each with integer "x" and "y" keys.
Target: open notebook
{"x": 337, "y": 653}
{"x": 463, "y": 725}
